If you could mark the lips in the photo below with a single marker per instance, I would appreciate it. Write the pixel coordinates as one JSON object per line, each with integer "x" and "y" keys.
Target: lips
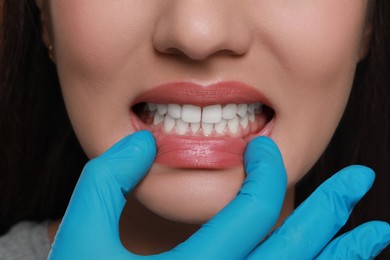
{"x": 212, "y": 134}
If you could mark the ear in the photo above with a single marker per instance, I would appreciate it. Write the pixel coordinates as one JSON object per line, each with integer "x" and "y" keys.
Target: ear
{"x": 44, "y": 17}
{"x": 367, "y": 32}
{"x": 365, "y": 43}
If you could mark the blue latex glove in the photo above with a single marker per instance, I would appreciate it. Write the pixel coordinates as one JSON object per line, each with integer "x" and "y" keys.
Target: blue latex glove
{"x": 89, "y": 229}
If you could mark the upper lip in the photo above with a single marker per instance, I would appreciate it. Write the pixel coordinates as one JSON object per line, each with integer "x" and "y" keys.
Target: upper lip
{"x": 203, "y": 95}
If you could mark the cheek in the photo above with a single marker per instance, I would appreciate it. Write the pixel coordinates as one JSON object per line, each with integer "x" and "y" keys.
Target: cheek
{"x": 96, "y": 38}
{"x": 312, "y": 40}
{"x": 96, "y": 44}
{"x": 315, "y": 47}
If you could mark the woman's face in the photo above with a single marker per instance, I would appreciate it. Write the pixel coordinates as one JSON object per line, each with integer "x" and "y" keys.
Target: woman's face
{"x": 297, "y": 58}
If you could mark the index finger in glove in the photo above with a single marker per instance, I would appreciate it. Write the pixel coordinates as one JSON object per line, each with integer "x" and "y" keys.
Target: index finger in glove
{"x": 364, "y": 242}
{"x": 313, "y": 224}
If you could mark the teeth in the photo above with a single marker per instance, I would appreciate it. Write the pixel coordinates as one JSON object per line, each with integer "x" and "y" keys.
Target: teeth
{"x": 174, "y": 111}
{"x": 212, "y": 114}
{"x": 220, "y": 127}
{"x": 252, "y": 117}
{"x": 229, "y": 111}
{"x": 242, "y": 109}
{"x": 169, "y": 123}
{"x": 158, "y": 118}
{"x": 162, "y": 109}
{"x": 152, "y": 107}
{"x": 191, "y": 114}
{"x": 233, "y": 125}
{"x": 194, "y": 118}
{"x": 244, "y": 121}
{"x": 181, "y": 127}
{"x": 195, "y": 127}
{"x": 251, "y": 108}
{"x": 258, "y": 107}
{"x": 207, "y": 128}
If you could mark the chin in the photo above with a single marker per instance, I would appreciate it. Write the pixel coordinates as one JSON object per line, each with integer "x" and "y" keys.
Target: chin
{"x": 188, "y": 196}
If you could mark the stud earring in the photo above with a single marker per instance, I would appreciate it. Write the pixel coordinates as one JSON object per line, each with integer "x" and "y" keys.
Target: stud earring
{"x": 50, "y": 50}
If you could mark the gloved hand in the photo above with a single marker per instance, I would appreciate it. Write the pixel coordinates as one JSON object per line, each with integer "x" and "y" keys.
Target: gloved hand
{"x": 89, "y": 229}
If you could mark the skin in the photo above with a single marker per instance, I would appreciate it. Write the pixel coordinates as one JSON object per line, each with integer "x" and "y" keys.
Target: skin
{"x": 301, "y": 55}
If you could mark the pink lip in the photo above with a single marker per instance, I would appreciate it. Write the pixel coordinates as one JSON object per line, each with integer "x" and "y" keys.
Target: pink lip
{"x": 199, "y": 95}
{"x": 201, "y": 152}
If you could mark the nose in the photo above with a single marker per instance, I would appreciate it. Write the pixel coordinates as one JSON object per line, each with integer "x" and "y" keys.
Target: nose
{"x": 202, "y": 28}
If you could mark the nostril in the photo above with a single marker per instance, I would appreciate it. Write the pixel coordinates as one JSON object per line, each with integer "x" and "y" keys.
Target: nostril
{"x": 179, "y": 53}
{"x": 174, "y": 51}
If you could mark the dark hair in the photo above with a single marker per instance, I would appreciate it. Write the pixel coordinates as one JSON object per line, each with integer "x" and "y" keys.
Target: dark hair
{"x": 363, "y": 136}
{"x": 41, "y": 159}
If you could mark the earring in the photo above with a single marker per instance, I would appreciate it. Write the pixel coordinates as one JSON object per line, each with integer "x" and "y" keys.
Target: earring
{"x": 50, "y": 50}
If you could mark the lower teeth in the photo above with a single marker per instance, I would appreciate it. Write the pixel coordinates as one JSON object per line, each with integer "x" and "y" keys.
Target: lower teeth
{"x": 178, "y": 126}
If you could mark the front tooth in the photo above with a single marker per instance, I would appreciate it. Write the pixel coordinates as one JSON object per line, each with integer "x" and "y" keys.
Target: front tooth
{"x": 181, "y": 126}
{"x": 212, "y": 114}
{"x": 229, "y": 111}
{"x": 152, "y": 107}
{"x": 233, "y": 125}
{"x": 220, "y": 127}
{"x": 242, "y": 109}
{"x": 157, "y": 118}
{"x": 191, "y": 114}
{"x": 174, "y": 111}
{"x": 169, "y": 123}
{"x": 195, "y": 127}
{"x": 207, "y": 128}
{"x": 244, "y": 122}
{"x": 162, "y": 109}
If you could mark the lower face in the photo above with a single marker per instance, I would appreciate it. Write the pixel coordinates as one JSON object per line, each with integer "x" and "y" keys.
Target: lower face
{"x": 206, "y": 77}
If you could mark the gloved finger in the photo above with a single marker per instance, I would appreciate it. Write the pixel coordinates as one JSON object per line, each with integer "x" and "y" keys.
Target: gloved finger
{"x": 235, "y": 231}
{"x": 92, "y": 217}
{"x": 313, "y": 224}
{"x": 364, "y": 242}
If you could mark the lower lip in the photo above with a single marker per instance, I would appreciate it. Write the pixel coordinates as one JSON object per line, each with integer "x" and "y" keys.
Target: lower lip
{"x": 199, "y": 153}
{"x": 202, "y": 152}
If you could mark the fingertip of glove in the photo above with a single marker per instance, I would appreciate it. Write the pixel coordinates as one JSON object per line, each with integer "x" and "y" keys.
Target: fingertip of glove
{"x": 263, "y": 156}
{"x": 384, "y": 227}
{"x": 260, "y": 145}
{"x": 361, "y": 177}
{"x": 377, "y": 232}
{"x": 143, "y": 140}
{"x": 261, "y": 140}
{"x": 145, "y": 136}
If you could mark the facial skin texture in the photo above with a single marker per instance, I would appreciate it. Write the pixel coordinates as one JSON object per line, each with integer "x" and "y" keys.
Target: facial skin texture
{"x": 301, "y": 55}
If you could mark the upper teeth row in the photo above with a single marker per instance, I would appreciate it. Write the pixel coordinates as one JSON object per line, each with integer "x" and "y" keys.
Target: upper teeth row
{"x": 209, "y": 114}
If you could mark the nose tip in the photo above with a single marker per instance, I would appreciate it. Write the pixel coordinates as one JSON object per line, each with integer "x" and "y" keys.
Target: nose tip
{"x": 199, "y": 31}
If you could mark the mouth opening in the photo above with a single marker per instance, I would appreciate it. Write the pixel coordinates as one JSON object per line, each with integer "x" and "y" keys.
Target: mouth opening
{"x": 218, "y": 120}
